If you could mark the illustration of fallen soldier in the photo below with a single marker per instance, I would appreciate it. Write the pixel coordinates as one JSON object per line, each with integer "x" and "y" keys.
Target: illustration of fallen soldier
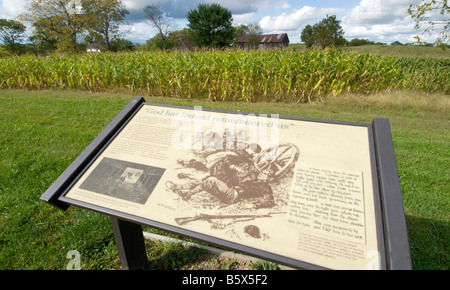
{"x": 232, "y": 178}
{"x": 256, "y": 191}
{"x": 235, "y": 176}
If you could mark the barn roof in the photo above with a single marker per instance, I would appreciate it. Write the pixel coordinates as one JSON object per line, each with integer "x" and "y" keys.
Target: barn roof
{"x": 265, "y": 38}
{"x": 188, "y": 45}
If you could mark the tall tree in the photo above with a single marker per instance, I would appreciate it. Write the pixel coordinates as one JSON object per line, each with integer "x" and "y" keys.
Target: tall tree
{"x": 432, "y": 15}
{"x": 12, "y": 33}
{"x": 326, "y": 33}
{"x": 103, "y": 19}
{"x": 43, "y": 41}
{"x": 57, "y": 19}
{"x": 307, "y": 36}
{"x": 211, "y": 25}
{"x": 159, "y": 20}
{"x": 173, "y": 40}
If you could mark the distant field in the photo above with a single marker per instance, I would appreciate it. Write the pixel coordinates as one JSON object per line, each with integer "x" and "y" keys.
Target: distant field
{"x": 402, "y": 51}
{"x": 392, "y": 50}
{"x": 42, "y": 132}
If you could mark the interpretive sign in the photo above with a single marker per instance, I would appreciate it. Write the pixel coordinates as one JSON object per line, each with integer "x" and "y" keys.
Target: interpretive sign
{"x": 296, "y": 191}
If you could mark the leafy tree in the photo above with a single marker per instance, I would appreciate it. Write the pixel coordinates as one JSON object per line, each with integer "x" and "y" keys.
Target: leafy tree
{"x": 211, "y": 25}
{"x": 58, "y": 20}
{"x": 359, "y": 42}
{"x": 43, "y": 41}
{"x": 160, "y": 21}
{"x": 156, "y": 43}
{"x": 120, "y": 44}
{"x": 432, "y": 15}
{"x": 173, "y": 40}
{"x": 103, "y": 19}
{"x": 65, "y": 23}
{"x": 180, "y": 36}
{"x": 397, "y": 43}
{"x": 12, "y": 33}
{"x": 307, "y": 36}
{"x": 326, "y": 33}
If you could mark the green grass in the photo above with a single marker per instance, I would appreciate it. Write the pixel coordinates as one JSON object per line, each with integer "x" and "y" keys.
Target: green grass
{"x": 42, "y": 132}
{"x": 390, "y": 50}
{"x": 402, "y": 51}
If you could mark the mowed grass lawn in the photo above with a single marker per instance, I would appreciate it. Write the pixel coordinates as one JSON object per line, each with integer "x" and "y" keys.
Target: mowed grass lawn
{"x": 42, "y": 132}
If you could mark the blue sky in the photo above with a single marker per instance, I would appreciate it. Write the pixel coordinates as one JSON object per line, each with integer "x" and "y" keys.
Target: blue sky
{"x": 376, "y": 20}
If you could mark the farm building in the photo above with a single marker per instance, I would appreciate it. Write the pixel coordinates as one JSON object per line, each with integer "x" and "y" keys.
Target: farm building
{"x": 93, "y": 48}
{"x": 186, "y": 47}
{"x": 265, "y": 41}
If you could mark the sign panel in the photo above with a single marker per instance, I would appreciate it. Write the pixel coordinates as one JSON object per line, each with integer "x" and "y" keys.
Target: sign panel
{"x": 302, "y": 189}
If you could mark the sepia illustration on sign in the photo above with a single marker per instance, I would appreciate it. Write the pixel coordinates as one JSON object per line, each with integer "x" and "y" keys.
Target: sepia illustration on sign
{"x": 236, "y": 182}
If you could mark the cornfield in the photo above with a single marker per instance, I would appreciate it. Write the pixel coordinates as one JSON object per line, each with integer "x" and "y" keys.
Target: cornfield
{"x": 278, "y": 75}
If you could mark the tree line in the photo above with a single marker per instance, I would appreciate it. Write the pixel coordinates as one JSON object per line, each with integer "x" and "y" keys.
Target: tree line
{"x": 70, "y": 25}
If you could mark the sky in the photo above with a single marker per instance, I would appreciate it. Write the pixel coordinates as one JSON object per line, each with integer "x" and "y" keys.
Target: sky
{"x": 376, "y": 20}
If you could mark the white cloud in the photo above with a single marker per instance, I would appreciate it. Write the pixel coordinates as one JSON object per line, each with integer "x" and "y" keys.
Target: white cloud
{"x": 297, "y": 19}
{"x": 12, "y": 8}
{"x": 139, "y": 32}
{"x": 243, "y": 19}
{"x": 381, "y": 32}
{"x": 294, "y": 22}
{"x": 380, "y": 20}
{"x": 372, "y": 12}
{"x": 139, "y": 4}
{"x": 238, "y": 7}
{"x": 285, "y": 6}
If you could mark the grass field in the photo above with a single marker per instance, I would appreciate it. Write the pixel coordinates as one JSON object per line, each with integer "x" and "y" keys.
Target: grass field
{"x": 402, "y": 51}
{"x": 391, "y": 50}
{"x": 42, "y": 132}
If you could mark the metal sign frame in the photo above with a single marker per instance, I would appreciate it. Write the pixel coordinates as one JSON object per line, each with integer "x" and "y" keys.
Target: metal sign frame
{"x": 389, "y": 213}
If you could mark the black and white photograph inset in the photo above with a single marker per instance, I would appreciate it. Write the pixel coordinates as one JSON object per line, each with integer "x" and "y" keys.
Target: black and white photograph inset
{"x": 125, "y": 180}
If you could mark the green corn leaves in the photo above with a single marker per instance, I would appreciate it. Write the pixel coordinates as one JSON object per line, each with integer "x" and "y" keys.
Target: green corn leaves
{"x": 281, "y": 75}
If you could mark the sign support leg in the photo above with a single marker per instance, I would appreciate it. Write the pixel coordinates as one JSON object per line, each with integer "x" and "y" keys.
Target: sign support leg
{"x": 130, "y": 244}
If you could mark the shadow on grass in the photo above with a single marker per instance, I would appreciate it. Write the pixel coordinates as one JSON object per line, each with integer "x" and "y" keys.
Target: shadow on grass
{"x": 174, "y": 256}
{"x": 429, "y": 242}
